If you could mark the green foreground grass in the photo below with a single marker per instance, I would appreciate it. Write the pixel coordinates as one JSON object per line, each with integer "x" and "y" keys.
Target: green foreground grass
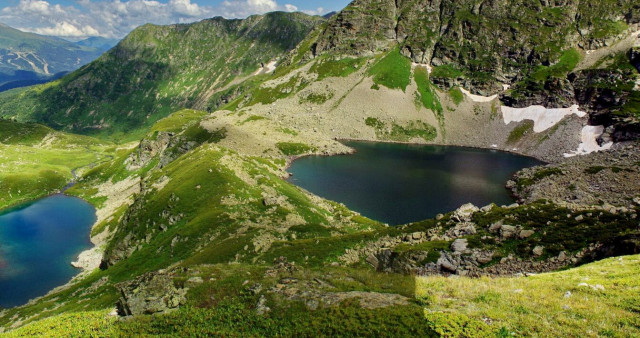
{"x": 598, "y": 299}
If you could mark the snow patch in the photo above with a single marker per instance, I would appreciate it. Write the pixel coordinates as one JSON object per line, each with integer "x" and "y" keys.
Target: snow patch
{"x": 478, "y": 98}
{"x": 266, "y": 69}
{"x": 542, "y": 117}
{"x": 589, "y": 143}
{"x": 271, "y": 67}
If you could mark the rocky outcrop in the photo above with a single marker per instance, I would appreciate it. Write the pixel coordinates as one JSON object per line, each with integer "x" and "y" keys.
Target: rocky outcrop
{"x": 150, "y": 293}
{"x": 362, "y": 28}
{"x": 478, "y": 42}
{"x": 607, "y": 180}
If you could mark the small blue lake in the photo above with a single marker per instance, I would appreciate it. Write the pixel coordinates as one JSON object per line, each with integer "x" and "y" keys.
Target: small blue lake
{"x": 38, "y": 241}
{"x": 401, "y": 183}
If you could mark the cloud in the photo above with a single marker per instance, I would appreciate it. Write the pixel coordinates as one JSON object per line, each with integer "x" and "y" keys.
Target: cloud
{"x": 317, "y": 11}
{"x": 116, "y": 18}
{"x": 67, "y": 29}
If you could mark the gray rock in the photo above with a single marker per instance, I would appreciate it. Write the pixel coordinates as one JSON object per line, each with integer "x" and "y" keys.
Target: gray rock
{"x": 444, "y": 263}
{"x": 487, "y": 208}
{"x": 150, "y": 293}
{"x": 482, "y": 257}
{"x": 465, "y": 212}
{"x": 255, "y": 288}
{"x": 461, "y": 229}
{"x": 538, "y": 251}
{"x": 526, "y": 234}
{"x": 495, "y": 226}
{"x": 459, "y": 245}
{"x": 562, "y": 256}
{"x": 261, "y": 307}
{"x": 194, "y": 281}
{"x": 508, "y": 231}
{"x": 373, "y": 261}
{"x": 579, "y": 218}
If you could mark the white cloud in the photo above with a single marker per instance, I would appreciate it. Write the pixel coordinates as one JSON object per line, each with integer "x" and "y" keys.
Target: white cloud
{"x": 317, "y": 11}
{"x": 67, "y": 29}
{"x": 116, "y": 18}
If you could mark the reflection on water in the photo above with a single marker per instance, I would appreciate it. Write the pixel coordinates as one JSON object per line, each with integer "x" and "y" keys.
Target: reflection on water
{"x": 399, "y": 183}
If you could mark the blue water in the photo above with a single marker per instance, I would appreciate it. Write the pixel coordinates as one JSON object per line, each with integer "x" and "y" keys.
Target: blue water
{"x": 400, "y": 183}
{"x": 38, "y": 241}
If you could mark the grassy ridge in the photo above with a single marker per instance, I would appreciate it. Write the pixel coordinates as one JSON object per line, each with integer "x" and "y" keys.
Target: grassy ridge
{"x": 157, "y": 70}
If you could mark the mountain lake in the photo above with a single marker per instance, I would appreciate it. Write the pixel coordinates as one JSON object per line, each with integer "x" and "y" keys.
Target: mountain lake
{"x": 38, "y": 242}
{"x": 402, "y": 183}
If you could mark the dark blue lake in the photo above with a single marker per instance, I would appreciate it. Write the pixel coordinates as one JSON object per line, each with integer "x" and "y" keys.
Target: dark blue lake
{"x": 38, "y": 241}
{"x": 401, "y": 183}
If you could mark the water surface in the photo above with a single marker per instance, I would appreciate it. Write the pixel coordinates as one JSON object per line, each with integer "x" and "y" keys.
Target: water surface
{"x": 38, "y": 241}
{"x": 400, "y": 183}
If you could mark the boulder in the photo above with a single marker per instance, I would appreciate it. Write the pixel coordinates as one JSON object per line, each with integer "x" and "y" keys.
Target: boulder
{"x": 150, "y": 293}
{"x": 562, "y": 256}
{"x": 444, "y": 263}
{"x": 482, "y": 257}
{"x": 373, "y": 261}
{"x": 525, "y": 234}
{"x": 538, "y": 251}
{"x": 272, "y": 200}
{"x": 461, "y": 229}
{"x": 495, "y": 226}
{"x": 508, "y": 231}
{"x": 464, "y": 213}
{"x": 487, "y": 208}
{"x": 459, "y": 245}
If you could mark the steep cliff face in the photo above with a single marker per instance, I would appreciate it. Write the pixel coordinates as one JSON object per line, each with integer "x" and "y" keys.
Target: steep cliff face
{"x": 486, "y": 42}
{"x": 550, "y": 53}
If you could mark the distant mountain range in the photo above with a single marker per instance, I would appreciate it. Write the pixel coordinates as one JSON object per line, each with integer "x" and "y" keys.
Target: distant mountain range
{"x": 28, "y": 58}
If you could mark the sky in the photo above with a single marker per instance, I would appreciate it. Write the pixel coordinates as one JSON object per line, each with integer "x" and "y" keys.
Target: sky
{"x": 79, "y": 19}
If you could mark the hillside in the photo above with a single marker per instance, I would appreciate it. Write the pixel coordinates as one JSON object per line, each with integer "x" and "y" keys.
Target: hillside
{"x": 156, "y": 70}
{"x": 27, "y": 58}
{"x": 36, "y": 161}
{"x": 529, "y": 53}
{"x": 200, "y": 233}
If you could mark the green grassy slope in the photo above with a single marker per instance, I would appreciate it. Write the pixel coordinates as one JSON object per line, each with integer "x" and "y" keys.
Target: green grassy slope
{"x": 599, "y": 299}
{"x": 596, "y": 299}
{"x": 157, "y": 70}
{"x": 206, "y": 211}
{"x": 36, "y": 161}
